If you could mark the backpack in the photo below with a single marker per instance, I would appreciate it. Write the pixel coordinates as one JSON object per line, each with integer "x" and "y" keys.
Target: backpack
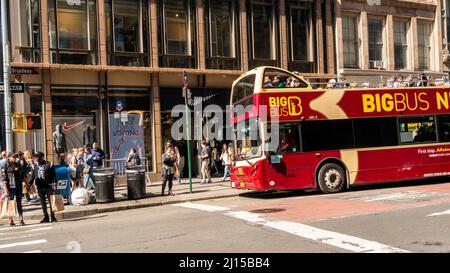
{"x": 168, "y": 161}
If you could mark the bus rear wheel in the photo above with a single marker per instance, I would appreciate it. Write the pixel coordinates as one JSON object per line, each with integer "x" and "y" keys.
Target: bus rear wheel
{"x": 331, "y": 178}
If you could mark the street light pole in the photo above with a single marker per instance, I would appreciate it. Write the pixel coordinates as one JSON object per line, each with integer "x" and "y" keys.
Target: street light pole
{"x": 7, "y": 93}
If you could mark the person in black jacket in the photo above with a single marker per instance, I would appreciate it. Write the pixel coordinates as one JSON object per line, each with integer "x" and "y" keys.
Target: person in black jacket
{"x": 12, "y": 183}
{"x": 45, "y": 178}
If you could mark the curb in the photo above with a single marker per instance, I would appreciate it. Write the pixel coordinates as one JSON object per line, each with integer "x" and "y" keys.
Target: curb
{"x": 85, "y": 211}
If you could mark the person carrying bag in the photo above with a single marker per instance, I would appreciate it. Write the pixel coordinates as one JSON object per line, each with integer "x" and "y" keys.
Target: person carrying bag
{"x": 12, "y": 190}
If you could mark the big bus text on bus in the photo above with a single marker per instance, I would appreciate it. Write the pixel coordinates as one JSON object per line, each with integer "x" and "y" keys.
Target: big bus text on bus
{"x": 331, "y": 139}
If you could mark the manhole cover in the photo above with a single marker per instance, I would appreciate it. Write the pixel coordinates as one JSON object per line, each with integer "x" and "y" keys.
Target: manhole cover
{"x": 271, "y": 210}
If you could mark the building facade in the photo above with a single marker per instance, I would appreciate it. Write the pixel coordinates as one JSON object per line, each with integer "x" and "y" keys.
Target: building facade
{"x": 111, "y": 70}
{"x": 379, "y": 39}
{"x": 446, "y": 34}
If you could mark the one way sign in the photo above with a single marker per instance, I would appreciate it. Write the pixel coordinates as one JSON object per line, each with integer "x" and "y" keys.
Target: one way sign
{"x": 14, "y": 87}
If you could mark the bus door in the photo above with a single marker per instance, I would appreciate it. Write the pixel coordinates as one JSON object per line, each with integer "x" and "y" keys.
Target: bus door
{"x": 289, "y": 165}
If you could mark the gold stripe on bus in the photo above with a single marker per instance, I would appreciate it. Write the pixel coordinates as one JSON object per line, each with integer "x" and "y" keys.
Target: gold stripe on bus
{"x": 327, "y": 104}
{"x": 351, "y": 160}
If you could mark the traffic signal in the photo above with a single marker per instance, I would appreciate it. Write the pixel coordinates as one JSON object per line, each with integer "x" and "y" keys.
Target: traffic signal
{"x": 17, "y": 124}
{"x": 33, "y": 122}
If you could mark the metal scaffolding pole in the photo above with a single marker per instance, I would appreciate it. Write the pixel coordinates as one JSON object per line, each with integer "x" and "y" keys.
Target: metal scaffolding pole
{"x": 6, "y": 68}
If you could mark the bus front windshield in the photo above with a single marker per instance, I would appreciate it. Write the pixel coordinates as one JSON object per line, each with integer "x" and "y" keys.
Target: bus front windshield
{"x": 248, "y": 141}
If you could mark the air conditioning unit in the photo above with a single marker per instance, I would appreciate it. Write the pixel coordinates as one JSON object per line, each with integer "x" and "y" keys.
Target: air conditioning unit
{"x": 376, "y": 64}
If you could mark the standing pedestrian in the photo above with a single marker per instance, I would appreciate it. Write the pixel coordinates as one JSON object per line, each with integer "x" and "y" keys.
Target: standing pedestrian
{"x": 215, "y": 157}
{"x": 97, "y": 155}
{"x": 226, "y": 160}
{"x": 43, "y": 176}
{"x": 168, "y": 162}
{"x": 205, "y": 156}
{"x": 133, "y": 158}
{"x": 88, "y": 168}
{"x": 12, "y": 185}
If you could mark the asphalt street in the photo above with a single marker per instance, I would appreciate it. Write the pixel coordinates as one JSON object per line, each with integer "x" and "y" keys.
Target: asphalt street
{"x": 413, "y": 217}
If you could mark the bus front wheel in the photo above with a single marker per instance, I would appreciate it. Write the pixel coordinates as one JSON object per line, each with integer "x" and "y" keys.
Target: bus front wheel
{"x": 331, "y": 178}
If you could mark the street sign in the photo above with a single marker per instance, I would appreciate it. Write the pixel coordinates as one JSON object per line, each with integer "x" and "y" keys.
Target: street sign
{"x": 24, "y": 70}
{"x": 14, "y": 87}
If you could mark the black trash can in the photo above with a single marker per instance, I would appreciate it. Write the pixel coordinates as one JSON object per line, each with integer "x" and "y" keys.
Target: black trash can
{"x": 104, "y": 185}
{"x": 135, "y": 182}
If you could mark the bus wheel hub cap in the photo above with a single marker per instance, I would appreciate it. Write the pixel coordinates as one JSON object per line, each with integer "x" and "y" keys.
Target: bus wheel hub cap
{"x": 332, "y": 178}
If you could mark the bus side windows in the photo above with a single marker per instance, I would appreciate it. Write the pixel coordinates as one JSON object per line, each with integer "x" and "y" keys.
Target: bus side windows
{"x": 417, "y": 129}
{"x": 444, "y": 128}
{"x": 289, "y": 139}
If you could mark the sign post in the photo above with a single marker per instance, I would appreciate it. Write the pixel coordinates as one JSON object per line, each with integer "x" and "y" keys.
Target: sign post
{"x": 188, "y": 129}
{"x": 7, "y": 92}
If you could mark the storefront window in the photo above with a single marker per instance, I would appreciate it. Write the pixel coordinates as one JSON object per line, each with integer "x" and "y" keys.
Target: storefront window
{"x": 73, "y": 31}
{"x": 177, "y": 32}
{"x": 127, "y": 32}
{"x": 77, "y": 110}
{"x": 130, "y": 124}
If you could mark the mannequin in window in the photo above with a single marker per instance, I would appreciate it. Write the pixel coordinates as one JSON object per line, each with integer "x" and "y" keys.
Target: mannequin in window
{"x": 88, "y": 136}
{"x": 59, "y": 140}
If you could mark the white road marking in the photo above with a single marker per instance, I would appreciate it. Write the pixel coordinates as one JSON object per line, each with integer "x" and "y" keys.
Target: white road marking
{"x": 24, "y": 243}
{"x": 33, "y": 251}
{"x": 343, "y": 241}
{"x": 339, "y": 240}
{"x": 26, "y": 226}
{"x": 203, "y": 207}
{"x": 27, "y": 231}
{"x": 21, "y": 237}
{"x": 440, "y": 213}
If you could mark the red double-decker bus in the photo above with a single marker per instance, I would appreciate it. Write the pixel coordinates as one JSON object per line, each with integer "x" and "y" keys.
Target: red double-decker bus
{"x": 335, "y": 138}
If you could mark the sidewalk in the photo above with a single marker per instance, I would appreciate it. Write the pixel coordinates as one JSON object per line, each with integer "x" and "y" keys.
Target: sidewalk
{"x": 214, "y": 190}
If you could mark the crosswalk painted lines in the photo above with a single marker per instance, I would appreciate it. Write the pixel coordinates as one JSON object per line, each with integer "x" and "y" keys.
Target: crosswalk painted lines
{"x": 339, "y": 240}
{"x": 27, "y": 231}
{"x": 26, "y": 243}
{"x": 447, "y": 212}
{"x": 25, "y": 226}
{"x": 33, "y": 251}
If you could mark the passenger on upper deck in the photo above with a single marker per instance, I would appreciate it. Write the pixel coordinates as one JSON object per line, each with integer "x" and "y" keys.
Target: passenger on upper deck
{"x": 277, "y": 83}
{"x": 267, "y": 82}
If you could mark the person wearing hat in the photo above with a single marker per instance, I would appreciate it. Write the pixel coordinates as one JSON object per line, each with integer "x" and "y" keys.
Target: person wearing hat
{"x": 12, "y": 185}
{"x": 43, "y": 175}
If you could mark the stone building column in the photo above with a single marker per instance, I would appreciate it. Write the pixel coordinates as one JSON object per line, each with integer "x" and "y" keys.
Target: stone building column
{"x": 319, "y": 38}
{"x": 244, "y": 35}
{"x": 200, "y": 35}
{"x": 45, "y": 54}
{"x": 283, "y": 36}
{"x": 330, "y": 38}
{"x": 390, "y": 49}
{"x": 414, "y": 48}
{"x": 364, "y": 41}
{"x": 153, "y": 27}
{"x": 157, "y": 144}
{"x": 46, "y": 96}
{"x": 102, "y": 33}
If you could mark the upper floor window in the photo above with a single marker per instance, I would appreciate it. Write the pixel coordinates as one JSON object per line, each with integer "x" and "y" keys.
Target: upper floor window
{"x": 350, "y": 41}
{"x": 73, "y": 31}
{"x": 178, "y": 33}
{"x": 423, "y": 38}
{"x": 221, "y": 32}
{"x": 25, "y": 23}
{"x": 127, "y": 32}
{"x": 401, "y": 44}
{"x": 376, "y": 43}
{"x": 300, "y": 36}
{"x": 262, "y": 33}
{"x": 447, "y": 17}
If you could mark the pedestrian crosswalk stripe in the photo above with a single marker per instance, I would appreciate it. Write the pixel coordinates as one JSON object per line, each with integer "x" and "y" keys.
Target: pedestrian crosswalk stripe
{"x": 27, "y": 231}
{"x": 21, "y": 237}
{"x": 33, "y": 251}
{"x": 209, "y": 208}
{"x": 23, "y": 243}
{"x": 339, "y": 240}
{"x": 447, "y": 212}
{"x": 25, "y": 226}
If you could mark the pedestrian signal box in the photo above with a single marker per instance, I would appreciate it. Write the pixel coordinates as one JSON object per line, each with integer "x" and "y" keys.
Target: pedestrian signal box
{"x": 17, "y": 123}
{"x": 23, "y": 123}
{"x": 33, "y": 122}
